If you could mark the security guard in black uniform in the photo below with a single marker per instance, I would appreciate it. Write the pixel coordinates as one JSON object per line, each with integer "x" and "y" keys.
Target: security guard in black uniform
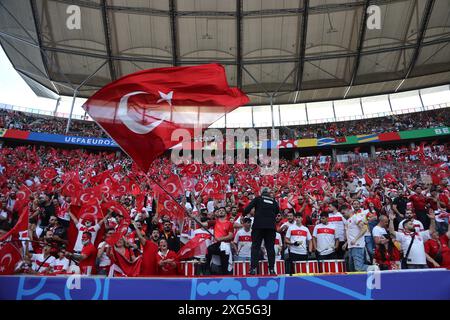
{"x": 266, "y": 209}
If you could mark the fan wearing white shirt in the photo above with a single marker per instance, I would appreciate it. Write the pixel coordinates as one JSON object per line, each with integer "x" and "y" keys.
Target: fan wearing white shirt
{"x": 416, "y": 258}
{"x": 355, "y": 230}
{"x": 379, "y": 231}
{"x": 336, "y": 219}
{"x": 42, "y": 262}
{"x": 242, "y": 243}
{"x": 61, "y": 264}
{"x": 299, "y": 242}
{"x": 325, "y": 240}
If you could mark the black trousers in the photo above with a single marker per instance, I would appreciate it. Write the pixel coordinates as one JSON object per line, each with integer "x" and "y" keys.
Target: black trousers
{"x": 340, "y": 252}
{"x": 330, "y": 256}
{"x": 292, "y": 258}
{"x": 258, "y": 235}
{"x": 215, "y": 249}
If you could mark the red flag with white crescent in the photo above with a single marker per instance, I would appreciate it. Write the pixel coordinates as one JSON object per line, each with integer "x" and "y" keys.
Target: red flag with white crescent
{"x": 122, "y": 267}
{"x": 194, "y": 247}
{"x": 314, "y": 184}
{"x": 141, "y": 110}
{"x": 192, "y": 169}
{"x": 9, "y": 257}
{"x": 20, "y": 226}
{"x": 173, "y": 186}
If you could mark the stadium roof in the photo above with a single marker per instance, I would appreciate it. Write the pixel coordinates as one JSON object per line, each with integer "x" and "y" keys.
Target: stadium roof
{"x": 305, "y": 50}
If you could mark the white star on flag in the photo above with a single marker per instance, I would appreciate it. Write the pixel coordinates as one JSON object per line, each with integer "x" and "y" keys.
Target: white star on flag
{"x": 165, "y": 97}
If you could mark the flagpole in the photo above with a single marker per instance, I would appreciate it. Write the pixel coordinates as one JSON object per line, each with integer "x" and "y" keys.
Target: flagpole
{"x": 184, "y": 208}
{"x": 157, "y": 183}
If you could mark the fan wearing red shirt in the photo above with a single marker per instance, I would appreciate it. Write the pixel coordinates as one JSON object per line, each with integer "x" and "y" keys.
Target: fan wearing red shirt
{"x": 304, "y": 208}
{"x": 438, "y": 251}
{"x": 166, "y": 260}
{"x": 87, "y": 256}
{"x": 149, "y": 265}
{"x": 223, "y": 232}
{"x": 419, "y": 202}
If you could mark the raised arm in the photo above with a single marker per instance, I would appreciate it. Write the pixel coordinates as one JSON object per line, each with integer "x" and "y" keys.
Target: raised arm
{"x": 72, "y": 216}
{"x": 391, "y": 224}
{"x": 140, "y": 235}
{"x": 432, "y": 217}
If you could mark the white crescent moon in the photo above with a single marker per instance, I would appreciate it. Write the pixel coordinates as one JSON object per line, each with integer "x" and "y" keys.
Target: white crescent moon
{"x": 9, "y": 256}
{"x": 173, "y": 188}
{"x": 93, "y": 213}
{"x": 82, "y": 197}
{"x": 165, "y": 206}
{"x": 21, "y": 197}
{"x": 131, "y": 124}
{"x": 70, "y": 187}
{"x": 105, "y": 189}
{"x": 107, "y": 181}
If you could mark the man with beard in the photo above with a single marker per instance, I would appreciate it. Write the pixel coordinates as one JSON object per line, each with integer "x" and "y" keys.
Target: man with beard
{"x": 410, "y": 216}
{"x": 223, "y": 234}
{"x": 87, "y": 256}
{"x": 149, "y": 266}
{"x": 173, "y": 242}
{"x": 412, "y": 242}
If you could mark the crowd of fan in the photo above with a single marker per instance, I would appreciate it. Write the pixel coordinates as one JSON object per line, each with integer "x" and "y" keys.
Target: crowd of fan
{"x": 392, "y": 123}
{"x": 371, "y": 206}
{"x": 10, "y": 119}
{"x": 429, "y": 119}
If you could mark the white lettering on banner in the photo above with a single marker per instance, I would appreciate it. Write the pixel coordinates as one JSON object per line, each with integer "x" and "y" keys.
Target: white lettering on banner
{"x": 441, "y": 131}
{"x": 73, "y": 282}
{"x": 373, "y": 278}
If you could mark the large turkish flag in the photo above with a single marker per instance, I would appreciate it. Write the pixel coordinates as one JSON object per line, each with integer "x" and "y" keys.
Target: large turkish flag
{"x": 141, "y": 111}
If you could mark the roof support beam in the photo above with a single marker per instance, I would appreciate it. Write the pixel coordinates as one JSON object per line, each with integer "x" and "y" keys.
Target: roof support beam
{"x": 362, "y": 35}
{"x": 425, "y": 19}
{"x": 239, "y": 43}
{"x": 173, "y": 31}
{"x": 233, "y": 62}
{"x": 107, "y": 32}
{"x": 36, "y": 19}
{"x": 301, "y": 54}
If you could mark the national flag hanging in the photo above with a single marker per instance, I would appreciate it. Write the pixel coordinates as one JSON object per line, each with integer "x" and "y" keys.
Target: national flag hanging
{"x": 122, "y": 267}
{"x": 194, "y": 247}
{"x": 9, "y": 257}
{"x": 20, "y": 226}
{"x": 141, "y": 111}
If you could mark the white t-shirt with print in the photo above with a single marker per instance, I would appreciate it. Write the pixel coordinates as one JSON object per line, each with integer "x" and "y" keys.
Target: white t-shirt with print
{"x": 353, "y": 228}
{"x": 417, "y": 253}
{"x": 243, "y": 240}
{"x": 300, "y": 234}
{"x": 325, "y": 237}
